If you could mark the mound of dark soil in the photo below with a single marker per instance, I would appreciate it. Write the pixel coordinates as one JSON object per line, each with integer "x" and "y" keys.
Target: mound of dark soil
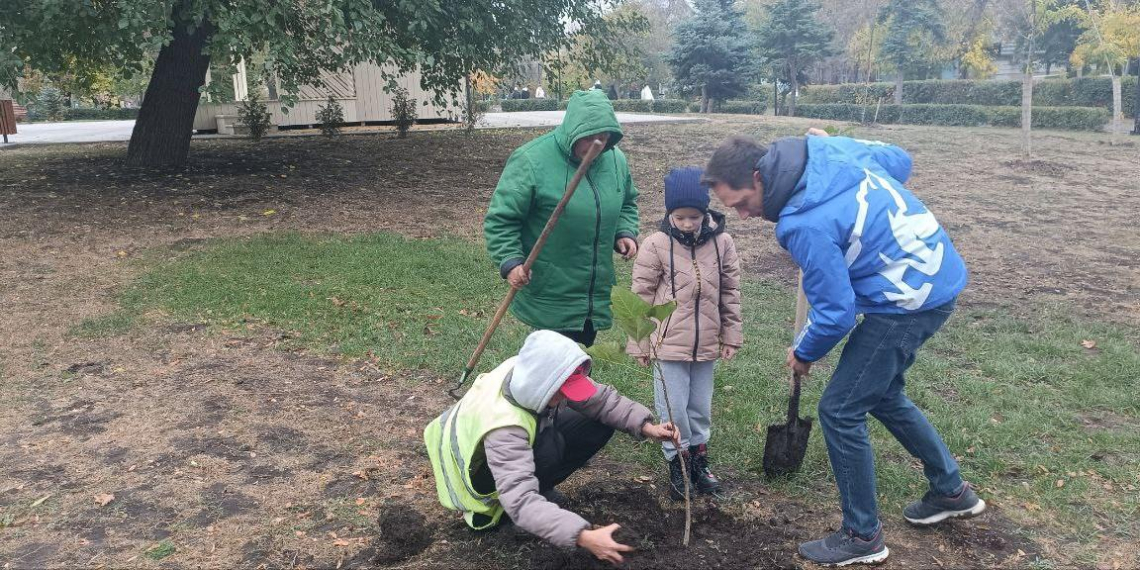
{"x": 404, "y": 533}
{"x": 718, "y": 540}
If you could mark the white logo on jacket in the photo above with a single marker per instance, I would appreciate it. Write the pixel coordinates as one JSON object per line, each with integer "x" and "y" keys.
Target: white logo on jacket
{"x": 910, "y": 231}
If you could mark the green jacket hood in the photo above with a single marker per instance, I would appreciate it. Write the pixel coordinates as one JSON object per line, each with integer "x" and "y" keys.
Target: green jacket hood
{"x": 588, "y": 113}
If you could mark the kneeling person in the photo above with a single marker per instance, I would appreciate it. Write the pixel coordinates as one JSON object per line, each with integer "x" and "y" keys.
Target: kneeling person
{"x": 522, "y": 429}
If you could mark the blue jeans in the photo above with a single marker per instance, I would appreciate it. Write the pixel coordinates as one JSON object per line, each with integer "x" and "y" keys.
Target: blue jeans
{"x": 869, "y": 379}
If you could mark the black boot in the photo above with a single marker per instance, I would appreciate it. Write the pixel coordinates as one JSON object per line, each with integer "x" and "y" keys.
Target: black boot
{"x": 677, "y": 477}
{"x": 702, "y": 477}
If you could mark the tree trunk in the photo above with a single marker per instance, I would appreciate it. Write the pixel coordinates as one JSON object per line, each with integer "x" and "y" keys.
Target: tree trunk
{"x": 1117, "y": 112}
{"x": 898, "y": 87}
{"x": 161, "y": 136}
{"x": 1027, "y": 111}
{"x": 1136, "y": 102}
{"x": 795, "y": 87}
{"x": 775, "y": 97}
{"x": 705, "y": 106}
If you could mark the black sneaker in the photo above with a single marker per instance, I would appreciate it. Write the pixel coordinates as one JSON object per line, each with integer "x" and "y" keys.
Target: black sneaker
{"x": 933, "y": 509}
{"x": 701, "y": 476}
{"x": 677, "y": 477}
{"x": 842, "y": 548}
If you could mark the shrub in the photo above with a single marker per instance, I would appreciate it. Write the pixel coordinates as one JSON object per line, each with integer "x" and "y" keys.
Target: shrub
{"x": 519, "y": 105}
{"x": 403, "y": 111}
{"x": 50, "y": 104}
{"x": 1069, "y": 118}
{"x": 670, "y": 106}
{"x": 254, "y": 114}
{"x": 1085, "y": 92}
{"x": 741, "y": 107}
{"x": 633, "y": 105}
{"x": 331, "y": 117}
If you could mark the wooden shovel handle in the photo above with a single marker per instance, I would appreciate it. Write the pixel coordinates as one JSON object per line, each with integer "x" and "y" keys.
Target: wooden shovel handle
{"x": 801, "y": 318}
{"x": 592, "y": 152}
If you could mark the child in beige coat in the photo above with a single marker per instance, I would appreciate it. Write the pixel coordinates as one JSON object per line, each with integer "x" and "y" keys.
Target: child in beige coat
{"x": 693, "y": 261}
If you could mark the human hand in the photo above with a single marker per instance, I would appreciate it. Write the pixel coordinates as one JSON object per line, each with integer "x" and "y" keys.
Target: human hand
{"x": 817, "y": 132}
{"x": 519, "y": 277}
{"x": 728, "y": 352}
{"x": 662, "y": 433}
{"x": 642, "y": 360}
{"x": 798, "y": 366}
{"x": 600, "y": 542}
{"x": 627, "y": 247}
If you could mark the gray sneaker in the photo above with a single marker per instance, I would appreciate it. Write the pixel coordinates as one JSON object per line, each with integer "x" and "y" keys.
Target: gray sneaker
{"x": 842, "y": 548}
{"x": 933, "y": 509}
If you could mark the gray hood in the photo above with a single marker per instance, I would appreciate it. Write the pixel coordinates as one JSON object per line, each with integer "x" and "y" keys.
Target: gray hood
{"x": 546, "y": 360}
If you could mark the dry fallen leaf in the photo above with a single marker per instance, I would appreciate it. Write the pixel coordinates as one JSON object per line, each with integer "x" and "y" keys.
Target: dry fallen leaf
{"x": 1060, "y": 483}
{"x": 341, "y": 542}
{"x": 1089, "y": 344}
{"x": 103, "y": 499}
{"x": 269, "y": 212}
{"x": 360, "y": 501}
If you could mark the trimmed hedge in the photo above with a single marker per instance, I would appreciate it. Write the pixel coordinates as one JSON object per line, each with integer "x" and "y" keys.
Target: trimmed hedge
{"x": 1084, "y": 92}
{"x": 1070, "y": 118}
{"x": 633, "y": 105}
{"x": 734, "y": 107}
{"x": 670, "y": 105}
{"x": 514, "y": 105}
{"x": 71, "y": 114}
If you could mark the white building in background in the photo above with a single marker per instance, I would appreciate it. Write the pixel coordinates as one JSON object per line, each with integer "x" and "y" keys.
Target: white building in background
{"x": 360, "y": 93}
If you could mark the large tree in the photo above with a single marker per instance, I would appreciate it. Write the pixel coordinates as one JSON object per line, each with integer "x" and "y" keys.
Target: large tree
{"x": 916, "y": 30}
{"x": 791, "y": 39}
{"x": 444, "y": 39}
{"x": 711, "y": 52}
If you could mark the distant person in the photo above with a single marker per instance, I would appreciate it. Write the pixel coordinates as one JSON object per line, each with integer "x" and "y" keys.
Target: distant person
{"x": 526, "y": 92}
{"x": 597, "y": 85}
{"x": 613, "y": 94}
{"x": 867, "y": 246}
{"x": 539, "y": 93}
{"x": 692, "y": 261}
{"x": 524, "y": 428}
{"x": 569, "y": 290}
{"x": 646, "y": 94}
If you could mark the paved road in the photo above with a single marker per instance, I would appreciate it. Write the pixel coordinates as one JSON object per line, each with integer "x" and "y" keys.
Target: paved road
{"x": 109, "y": 131}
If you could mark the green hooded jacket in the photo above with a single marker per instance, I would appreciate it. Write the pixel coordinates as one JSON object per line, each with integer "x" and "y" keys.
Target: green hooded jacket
{"x": 572, "y": 277}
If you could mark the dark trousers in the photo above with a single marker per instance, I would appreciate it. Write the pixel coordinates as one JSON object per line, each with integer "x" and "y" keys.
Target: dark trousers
{"x": 566, "y": 446}
{"x": 585, "y": 337}
{"x": 870, "y": 379}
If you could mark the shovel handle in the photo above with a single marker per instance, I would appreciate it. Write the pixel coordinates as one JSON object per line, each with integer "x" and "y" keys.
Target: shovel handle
{"x": 592, "y": 152}
{"x": 801, "y": 318}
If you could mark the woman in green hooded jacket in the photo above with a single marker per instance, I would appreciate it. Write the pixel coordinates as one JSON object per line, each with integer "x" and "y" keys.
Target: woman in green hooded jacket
{"x": 568, "y": 289}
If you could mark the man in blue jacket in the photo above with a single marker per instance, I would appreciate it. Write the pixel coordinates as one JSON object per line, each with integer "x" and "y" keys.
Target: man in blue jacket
{"x": 866, "y": 246}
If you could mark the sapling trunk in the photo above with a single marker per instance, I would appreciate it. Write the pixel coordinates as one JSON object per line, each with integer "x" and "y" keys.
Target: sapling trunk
{"x": 684, "y": 467}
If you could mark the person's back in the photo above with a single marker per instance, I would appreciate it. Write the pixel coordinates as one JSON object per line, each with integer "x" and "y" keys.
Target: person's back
{"x": 890, "y": 248}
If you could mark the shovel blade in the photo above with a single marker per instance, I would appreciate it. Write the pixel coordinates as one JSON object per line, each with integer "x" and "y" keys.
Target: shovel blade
{"x": 785, "y": 447}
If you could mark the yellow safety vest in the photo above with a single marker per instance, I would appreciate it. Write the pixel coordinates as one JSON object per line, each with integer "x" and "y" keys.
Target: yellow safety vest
{"x": 454, "y": 443}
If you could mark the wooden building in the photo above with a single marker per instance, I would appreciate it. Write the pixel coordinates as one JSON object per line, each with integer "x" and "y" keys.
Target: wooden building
{"x": 360, "y": 92}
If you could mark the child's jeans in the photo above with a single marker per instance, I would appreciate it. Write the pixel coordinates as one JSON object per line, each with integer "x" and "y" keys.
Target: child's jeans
{"x": 869, "y": 379}
{"x": 690, "y": 397}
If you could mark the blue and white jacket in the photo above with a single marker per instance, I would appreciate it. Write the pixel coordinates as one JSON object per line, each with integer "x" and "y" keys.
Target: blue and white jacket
{"x": 864, "y": 242}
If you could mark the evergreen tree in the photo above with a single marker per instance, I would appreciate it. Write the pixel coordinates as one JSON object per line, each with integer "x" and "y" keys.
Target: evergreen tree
{"x": 791, "y": 39}
{"x": 711, "y": 52}
{"x": 915, "y": 30}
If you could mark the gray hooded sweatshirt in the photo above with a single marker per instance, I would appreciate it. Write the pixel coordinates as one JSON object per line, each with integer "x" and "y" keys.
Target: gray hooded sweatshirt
{"x": 546, "y": 360}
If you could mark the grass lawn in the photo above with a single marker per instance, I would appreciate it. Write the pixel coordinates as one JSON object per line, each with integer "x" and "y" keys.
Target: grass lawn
{"x": 1041, "y": 423}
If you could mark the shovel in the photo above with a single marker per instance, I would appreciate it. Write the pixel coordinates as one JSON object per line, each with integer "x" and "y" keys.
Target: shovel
{"x": 786, "y": 443}
{"x": 592, "y": 152}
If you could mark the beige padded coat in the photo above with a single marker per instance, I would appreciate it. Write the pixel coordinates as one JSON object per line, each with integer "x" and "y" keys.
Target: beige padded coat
{"x": 703, "y": 274}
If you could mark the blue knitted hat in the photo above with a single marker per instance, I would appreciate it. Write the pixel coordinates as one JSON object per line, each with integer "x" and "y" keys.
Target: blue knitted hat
{"x": 683, "y": 189}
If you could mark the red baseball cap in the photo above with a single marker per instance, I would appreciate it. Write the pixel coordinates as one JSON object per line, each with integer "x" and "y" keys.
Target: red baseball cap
{"x": 578, "y": 387}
